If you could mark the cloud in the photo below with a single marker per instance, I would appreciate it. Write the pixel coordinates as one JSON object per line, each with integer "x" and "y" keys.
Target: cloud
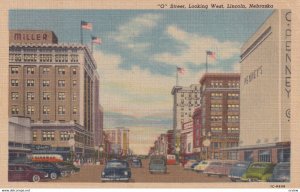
{"x": 195, "y": 48}
{"x": 237, "y": 67}
{"x": 129, "y": 35}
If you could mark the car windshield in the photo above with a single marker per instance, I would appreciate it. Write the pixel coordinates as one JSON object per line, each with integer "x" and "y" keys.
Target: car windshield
{"x": 259, "y": 166}
{"x": 116, "y": 165}
{"x": 157, "y": 161}
{"x": 282, "y": 170}
{"x": 241, "y": 165}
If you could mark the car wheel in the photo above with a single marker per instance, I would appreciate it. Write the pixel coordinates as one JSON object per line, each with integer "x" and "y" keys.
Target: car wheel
{"x": 72, "y": 172}
{"x": 233, "y": 180}
{"x": 53, "y": 175}
{"x": 208, "y": 175}
{"x": 36, "y": 178}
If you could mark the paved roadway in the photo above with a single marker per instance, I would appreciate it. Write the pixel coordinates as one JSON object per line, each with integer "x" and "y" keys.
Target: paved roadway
{"x": 176, "y": 174}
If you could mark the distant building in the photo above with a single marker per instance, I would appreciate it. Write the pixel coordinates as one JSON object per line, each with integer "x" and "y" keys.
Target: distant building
{"x": 170, "y": 139}
{"x": 186, "y": 140}
{"x": 265, "y": 91}
{"x": 220, "y": 110}
{"x": 186, "y": 99}
{"x": 119, "y": 139}
{"x": 56, "y": 85}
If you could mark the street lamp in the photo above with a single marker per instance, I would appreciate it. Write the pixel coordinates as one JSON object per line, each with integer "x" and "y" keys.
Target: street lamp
{"x": 71, "y": 143}
{"x": 206, "y": 143}
{"x": 100, "y": 150}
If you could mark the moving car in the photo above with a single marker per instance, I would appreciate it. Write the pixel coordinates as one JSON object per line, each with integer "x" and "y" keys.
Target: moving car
{"x": 201, "y": 166}
{"x": 281, "y": 172}
{"x": 258, "y": 171}
{"x": 116, "y": 170}
{"x": 220, "y": 168}
{"x": 136, "y": 163}
{"x": 238, "y": 169}
{"x": 157, "y": 165}
{"x": 72, "y": 169}
{"x": 189, "y": 164}
{"x": 20, "y": 172}
{"x": 53, "y": 171}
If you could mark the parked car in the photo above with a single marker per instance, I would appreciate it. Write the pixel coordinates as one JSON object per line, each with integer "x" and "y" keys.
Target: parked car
{"x": 22, "y": 172}
{"x": 194, "y": 165}
{"x": 136, "y": 163}
{"x": 281, "y": 172}
{"x": 53, "y": 171}
{"x": 200, "y": 167}
{"x": 116, "y": 170}
{"x": 258, "y": 171}
{"x": 157, "y": 165}
{"x": 171, "y": 159}
{"x": 189, "y": 164}
{"x": 238, "y": 169}
{"x": 220, "y": 168}
{"x": 71, "y": 168}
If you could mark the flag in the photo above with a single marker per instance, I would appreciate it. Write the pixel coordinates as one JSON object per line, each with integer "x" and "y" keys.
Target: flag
{"x": 211, "y": 54}
{"x": 180, "y": 70}
{"x": 96, "y": 40}
{"x": 86, "y": 25}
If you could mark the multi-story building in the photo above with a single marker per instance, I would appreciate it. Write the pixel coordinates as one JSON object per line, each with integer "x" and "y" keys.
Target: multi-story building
{"x": 119, "y": 139}
{"x": 197, "y": 125}
{"x": 186, "y": 99}
{"x": 265, "y": 91}
{"x": 170, "y": 138}
{"x": 56, "y": 85}
{"x": 186, "y": 140}
{"x": 220, "y": 112}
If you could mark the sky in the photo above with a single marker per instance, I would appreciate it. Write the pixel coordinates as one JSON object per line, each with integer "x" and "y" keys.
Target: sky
{"x": 139, "y": 54}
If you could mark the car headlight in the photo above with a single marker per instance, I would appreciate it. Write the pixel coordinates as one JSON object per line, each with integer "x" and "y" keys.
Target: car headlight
{"x": 125, "y": 173}
{"x": 103, "y": 173}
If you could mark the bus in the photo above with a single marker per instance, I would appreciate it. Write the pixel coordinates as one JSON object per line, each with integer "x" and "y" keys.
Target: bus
{"x": 54, "y": 158}
{"x": 171, "y": 159}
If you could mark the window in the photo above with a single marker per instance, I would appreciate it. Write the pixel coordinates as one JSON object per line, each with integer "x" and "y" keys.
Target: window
{"x": 46, "y": 70}
{"x": 30, "y": 110}
{"x": 61, "y": 110}
{"x": 233, "y": 95}
{"x": 14, "y": 110}
{"x": 74, "y": 71}
{"x": 46, "y": 96}
{"x": 30, "y": 70}
{"x": 283, "y": 155}
{"x": 74, "y": 98}
{"x": 74, "y": 83}
{"x": 64, "y": 135}
{"x": 61, "y": 83}
{"x": 264, "y": 156}
{"x": 48, "y": 135}
{"x": 61, "y": 71}
{"x": 248, "y": 155}
{"x": 30, "y": 83}
{"x": 14, "y": 70}
{"x": 30, "y": 58}
{"x": 45, "y": 58}
{"x": 232, "y": 155}
{"x": 233, "y": 118}
{"x": 74, "y": 110}
{"x": 14, "y": 95}
{"x": 46, "y": 83}
{"x": 233, "y": 129}
{"x": 216, "y": 118}
{"x": 30, "y": 96}
{"x": 74, "y": 58}
{"x": 14, "y": 82}
{"x": 216, "y": 129}
{"x": 61, "y": 58}
{"x": 61, "y": 96}
{"x": 46, "y": 110}
{"x": 34, "y": 136}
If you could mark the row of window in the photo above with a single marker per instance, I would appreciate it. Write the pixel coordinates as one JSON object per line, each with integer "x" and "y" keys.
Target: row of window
{"x": 58, "y": 58}
{"x": 229, "y": 129}
{"x": 31, "y": 70}
{"x": 46, "y": 110}
{"x": 50, "y": 135}
{"x": 46, "y": 96}
{"x": 221, "y": 94}
{"x": 219, "y": 117}
{"x": 229, "y": 84}
{"x": 45, "y": 83}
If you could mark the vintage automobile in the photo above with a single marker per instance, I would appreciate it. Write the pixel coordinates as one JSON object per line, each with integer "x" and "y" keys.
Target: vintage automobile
{"x": 136, "y": 163}
{"x": 258, "y": 171}
{"x": 194, "y": 165}
{"x": 220, "y": 168}
{"x": 189, "y": 164}
{"x": 171, "y": 159}
{"x": 116, "y": 170}
{"x": 157, "y": 165}
{"x": 71, "y": 169}
{"x": 238, "y": 169}
{"x": 22, "y": 172}
{"x": 200, "y": 167}
{"x": 53, "y": 171}
{"x": 281, "y": 172}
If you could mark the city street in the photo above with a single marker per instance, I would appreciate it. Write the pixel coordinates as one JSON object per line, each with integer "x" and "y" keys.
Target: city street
{"x": 176, "y": 173}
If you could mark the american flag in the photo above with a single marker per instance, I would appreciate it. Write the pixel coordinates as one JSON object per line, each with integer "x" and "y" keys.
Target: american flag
{"x": 96, "y": 40}
{"x": 180, "y": 70}
{"x": 211, "y": 54}
{"x": 86, "y": 25}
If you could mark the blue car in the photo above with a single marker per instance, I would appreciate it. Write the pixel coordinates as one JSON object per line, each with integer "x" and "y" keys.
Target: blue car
{"x": 237, "y": 170}
{"x": 116, "y": 170}
{"x": 157, "y": 165}
{"x": 281, "y": 172}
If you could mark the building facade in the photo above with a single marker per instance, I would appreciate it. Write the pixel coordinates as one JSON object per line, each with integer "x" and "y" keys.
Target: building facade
{"x": 220, "y": 113}
{"x": 197, "y": 125}
{"x": 186, "y": 99}
{"x": 119, "y": 139}
{"x": 57, "y": 87}
{"x": 265, "y": 91}
{"x": 186, "y": 140}
{"x": 170, "y": 139}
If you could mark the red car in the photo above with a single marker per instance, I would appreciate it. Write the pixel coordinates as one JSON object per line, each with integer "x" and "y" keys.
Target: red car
{"x": 20, "y": 172}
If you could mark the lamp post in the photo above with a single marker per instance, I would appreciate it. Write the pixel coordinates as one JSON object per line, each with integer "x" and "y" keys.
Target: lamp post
{"x": 206, "y": 143}
{"x": 100, "y": 150}
{"x": 71, "y": 143}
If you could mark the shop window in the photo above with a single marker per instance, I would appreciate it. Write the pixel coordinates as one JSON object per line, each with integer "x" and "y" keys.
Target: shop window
{"x": 264, "y": 156}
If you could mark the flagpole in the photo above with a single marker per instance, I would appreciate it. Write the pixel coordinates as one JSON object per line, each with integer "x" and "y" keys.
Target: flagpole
{"x": 176, "y": 76}
{"x": 92, "y": 46}
{"x": 81, "y": 35}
